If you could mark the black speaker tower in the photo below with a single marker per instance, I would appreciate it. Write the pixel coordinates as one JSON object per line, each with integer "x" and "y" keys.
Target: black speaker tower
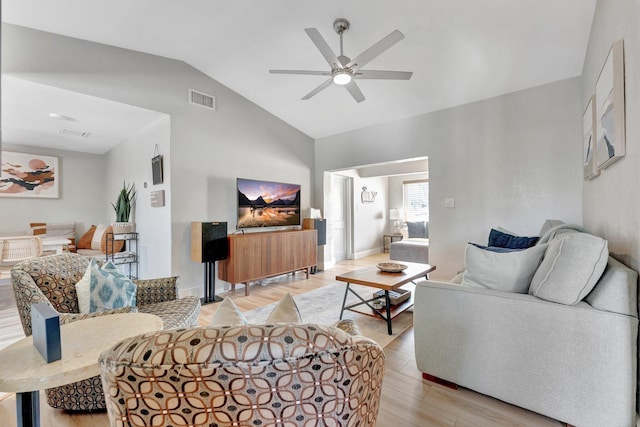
{"x": 209, "y": 244}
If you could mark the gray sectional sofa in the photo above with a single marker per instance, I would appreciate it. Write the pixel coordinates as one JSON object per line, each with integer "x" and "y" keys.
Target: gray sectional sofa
{"x": 413, "y": 248}
{"x": 566, "y": 347}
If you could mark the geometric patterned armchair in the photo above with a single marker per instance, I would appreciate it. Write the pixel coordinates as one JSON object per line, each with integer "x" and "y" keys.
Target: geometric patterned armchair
{"x": 52, "y": 279}
{"x": 284, "y": 375}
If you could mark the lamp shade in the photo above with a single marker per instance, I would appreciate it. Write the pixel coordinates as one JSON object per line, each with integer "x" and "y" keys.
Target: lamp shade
{"x": 395, "y": 214}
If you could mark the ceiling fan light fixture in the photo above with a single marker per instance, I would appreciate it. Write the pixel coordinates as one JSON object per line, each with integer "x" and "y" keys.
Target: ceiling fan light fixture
{"x": 342, "y": 78}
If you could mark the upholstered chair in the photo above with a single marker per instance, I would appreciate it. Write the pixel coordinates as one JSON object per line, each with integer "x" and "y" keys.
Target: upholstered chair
{"x": 285, "y": 375}
{"x": 52, "y": 279}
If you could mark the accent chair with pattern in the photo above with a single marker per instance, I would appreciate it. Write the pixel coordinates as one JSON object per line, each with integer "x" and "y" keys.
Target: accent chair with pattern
{"x": 52, "y": 279}
{"x": 282, "y": 375}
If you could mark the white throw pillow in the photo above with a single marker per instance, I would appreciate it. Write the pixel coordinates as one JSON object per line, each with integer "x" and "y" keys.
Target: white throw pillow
{"x": 286, "y": 311}
{"x": 83, "y": 290}
{"x": 571, "y": 268}
{"x": 227, "y": 314}
{"x": 503, "y": 271}
{"x": 109, "y": 288}
{"x": 96, "y": 240}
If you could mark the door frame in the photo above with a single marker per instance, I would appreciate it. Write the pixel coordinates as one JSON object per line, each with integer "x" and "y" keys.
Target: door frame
{"x": 328, "y": 259}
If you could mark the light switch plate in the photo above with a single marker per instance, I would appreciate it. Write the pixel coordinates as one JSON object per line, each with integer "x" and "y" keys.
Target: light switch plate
{"x": 449, "y": 203}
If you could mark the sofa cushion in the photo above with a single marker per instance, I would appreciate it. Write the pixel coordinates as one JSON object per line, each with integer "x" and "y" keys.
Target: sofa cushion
{"x": 616, "y": 291}
{"x": 85, "y": 240}
{"x": 96, "y": 240}
{"x": 548, "y": 225}
{"x": 494, "y": 248}
{"x": 506, "y": 231}
{"x": 418, "y": 229}
{"x": 571, "y": 268}
{"x": 227, "y": 314}
{"x": 505, "y": 240}
{"x": 118, "y": 245}
{"x": 559, "y": 230}
{"x": 286, "y": 311}
{"x": 506, "y": 271}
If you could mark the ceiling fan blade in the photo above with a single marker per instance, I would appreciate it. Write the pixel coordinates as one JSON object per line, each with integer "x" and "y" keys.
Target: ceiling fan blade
{"x": 354, "y": 90}
{"x": 322, "y": 46}
{"x": 384, "y": 75}
{"x": 375, "y": 50}
{"x": 309, "y": 73}
{"x": 323, "y": 86}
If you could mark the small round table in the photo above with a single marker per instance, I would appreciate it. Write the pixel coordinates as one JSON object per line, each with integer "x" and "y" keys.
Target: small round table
{"x": 25, "y": 372}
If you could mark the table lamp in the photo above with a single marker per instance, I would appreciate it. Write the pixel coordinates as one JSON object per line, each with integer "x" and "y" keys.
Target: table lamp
{"x": 395, "y": 215}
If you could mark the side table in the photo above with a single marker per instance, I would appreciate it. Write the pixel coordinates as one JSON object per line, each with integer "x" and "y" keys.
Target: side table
{"x": 25, "y": 372}
{"x": 388, "y": 239}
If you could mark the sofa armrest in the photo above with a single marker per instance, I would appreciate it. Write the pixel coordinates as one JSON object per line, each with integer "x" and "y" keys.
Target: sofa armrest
{"x": 151, "y": 291}
{"x": 572, "y": 363}
{"x": 72, "y": 317}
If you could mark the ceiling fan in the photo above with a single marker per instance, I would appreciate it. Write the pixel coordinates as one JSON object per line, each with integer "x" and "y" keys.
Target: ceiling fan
{"x": 345, "y": 70}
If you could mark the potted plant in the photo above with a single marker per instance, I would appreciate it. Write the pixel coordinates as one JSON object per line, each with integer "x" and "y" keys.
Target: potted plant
{"x": 123, "y": 206}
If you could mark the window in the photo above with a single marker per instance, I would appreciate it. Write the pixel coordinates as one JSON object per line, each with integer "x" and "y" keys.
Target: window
{"x": 416, "y": 200}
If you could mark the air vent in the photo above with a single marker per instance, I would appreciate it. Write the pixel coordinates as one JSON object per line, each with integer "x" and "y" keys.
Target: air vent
{"x": 202, "y": 100}
{"x": 73, "y": 132}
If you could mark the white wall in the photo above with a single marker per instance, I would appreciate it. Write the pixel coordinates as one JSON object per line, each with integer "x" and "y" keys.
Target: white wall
{"x": 369, "y": 219}
{"x": 512, "y": 161}
{"x": 611, "y": 201}
{"x": 208, "y": 150}
{"x": 81, "y": 193}
{"x": 130, "y": 162}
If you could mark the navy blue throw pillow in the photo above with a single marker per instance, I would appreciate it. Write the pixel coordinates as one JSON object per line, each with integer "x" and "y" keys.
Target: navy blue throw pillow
{"x": 494, "y": 248}
{"x": 504, "y": 240}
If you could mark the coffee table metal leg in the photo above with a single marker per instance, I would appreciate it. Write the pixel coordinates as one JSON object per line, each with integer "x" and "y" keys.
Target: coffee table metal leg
{"x": 387, "y": 302}
{"x": 28, "y": 409}
{"x": 344, "y": 300}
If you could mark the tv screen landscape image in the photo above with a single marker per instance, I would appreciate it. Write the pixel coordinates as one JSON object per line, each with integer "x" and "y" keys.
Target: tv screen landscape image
{"x": 267, "y": 204}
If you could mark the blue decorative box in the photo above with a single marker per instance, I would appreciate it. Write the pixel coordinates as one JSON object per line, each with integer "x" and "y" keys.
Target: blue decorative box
{"x": 45, "y": 328}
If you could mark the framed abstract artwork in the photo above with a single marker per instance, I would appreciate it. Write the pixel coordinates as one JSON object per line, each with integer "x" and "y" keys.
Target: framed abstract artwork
{"x": 589, "y": 153}
{"x": 28, "y": 175}
{"x": 609, "y": 102}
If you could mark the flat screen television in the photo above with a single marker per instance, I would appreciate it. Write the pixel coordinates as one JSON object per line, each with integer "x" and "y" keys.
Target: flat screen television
{"x": 267, "y": 204}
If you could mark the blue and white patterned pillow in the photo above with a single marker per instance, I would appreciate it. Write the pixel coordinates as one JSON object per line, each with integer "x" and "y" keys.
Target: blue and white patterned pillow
{"x": 109, "y": 288}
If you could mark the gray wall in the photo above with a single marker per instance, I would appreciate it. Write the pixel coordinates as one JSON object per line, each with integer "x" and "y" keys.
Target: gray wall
{"x": 511, "y": 161}
{"x": 81, "y": 194}
{"x": 612, "y": 201}
{"x": 208, "y": 149}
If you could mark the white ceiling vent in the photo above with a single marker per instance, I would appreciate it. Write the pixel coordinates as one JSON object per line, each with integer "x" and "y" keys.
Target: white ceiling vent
{"x": 202, "y": 99}
{"x": 74, "y": 132}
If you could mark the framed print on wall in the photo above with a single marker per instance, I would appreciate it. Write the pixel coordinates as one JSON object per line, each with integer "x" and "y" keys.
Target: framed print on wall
{"x": 589, "y": 153}
{"x": 609, "y": 102}
{"x": 28, "y": 175}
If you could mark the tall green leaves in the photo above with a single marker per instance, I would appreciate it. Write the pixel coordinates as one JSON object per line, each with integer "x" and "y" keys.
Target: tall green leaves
{"x": 125, "y": 201}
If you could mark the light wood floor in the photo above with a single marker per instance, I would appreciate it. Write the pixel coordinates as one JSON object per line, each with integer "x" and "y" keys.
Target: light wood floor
{"x": 407, "y": 400}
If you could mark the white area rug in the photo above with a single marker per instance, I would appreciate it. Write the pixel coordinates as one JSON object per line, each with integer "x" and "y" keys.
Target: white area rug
{"x": 323, "y": 306}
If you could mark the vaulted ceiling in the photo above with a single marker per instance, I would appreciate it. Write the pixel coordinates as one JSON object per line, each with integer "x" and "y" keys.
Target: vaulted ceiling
{"x": 459, "y": 51}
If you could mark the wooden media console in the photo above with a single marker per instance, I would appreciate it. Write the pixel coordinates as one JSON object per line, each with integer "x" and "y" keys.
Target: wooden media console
{"x": 255, "y": 256}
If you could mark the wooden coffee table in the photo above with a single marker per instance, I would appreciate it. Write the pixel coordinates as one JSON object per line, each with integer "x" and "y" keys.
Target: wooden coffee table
{"x": 373, "y": 277}
{"x": 24, "y": 371}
